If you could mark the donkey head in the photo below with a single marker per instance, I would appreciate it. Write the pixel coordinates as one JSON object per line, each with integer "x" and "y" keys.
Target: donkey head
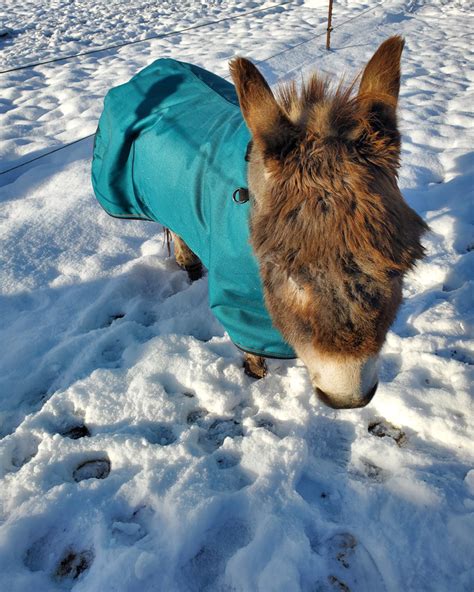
{"x": 332, "y": 233}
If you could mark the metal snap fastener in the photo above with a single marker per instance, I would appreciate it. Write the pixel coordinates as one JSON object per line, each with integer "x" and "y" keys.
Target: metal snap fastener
{"x": 241, "y": 195}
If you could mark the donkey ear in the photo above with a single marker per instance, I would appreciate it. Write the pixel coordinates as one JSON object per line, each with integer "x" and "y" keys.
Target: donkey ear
{"x": 270, "y": 127}
{"x": 381, "y": 76}
{"x": 379, "y": 88}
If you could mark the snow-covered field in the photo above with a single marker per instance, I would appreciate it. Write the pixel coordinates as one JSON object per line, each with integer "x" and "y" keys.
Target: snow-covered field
{"x": 136, "y": 456}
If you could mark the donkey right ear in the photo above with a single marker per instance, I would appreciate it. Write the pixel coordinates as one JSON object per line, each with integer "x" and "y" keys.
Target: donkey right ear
{"x": 265, "y": 119}
{"x": 380, "y": 85}
{"x": 381, "y": 76}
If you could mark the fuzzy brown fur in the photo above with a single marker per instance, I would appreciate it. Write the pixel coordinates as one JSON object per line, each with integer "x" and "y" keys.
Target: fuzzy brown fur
{"x": 330, "y": 229}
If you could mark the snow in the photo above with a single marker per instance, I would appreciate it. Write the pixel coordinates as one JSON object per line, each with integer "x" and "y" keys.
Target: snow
{"x": 135, "y": 453}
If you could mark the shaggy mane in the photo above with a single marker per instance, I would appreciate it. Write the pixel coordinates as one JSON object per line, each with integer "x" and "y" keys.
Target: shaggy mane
{"x": 365, "y": 123}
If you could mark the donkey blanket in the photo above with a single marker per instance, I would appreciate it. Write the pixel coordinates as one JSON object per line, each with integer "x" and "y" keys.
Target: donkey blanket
{"x": 170, "y": 148}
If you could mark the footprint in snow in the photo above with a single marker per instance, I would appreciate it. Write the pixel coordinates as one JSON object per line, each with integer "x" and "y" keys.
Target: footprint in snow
{"x": 24, "y": 451}
{"x": 160, "y": 434}
{"x": 351, "y": 567}
{"x": 73, "y": 564}
{"x": 373, "y": 471}
{"x": 76, "y": 432}
{"x": 92, "y": 469}
{"x": 266, "y": 424}
{"x": 232, "y": 477}
{"x": 114, "y": 317}
{"x": 196, "y": 416}
{"x": 227, "y": 460}
{"x": 206, "y": 570}
{"x": 132, "y": 528}
{"x": 381, "y": 428}
{"x": 112, "y": 353}
{"x": 218, "y": 431}
{"x": 317, "y": 493}
{"x": 69, "y": 567}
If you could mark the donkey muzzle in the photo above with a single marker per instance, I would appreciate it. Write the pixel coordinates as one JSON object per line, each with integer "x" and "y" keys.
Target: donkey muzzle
{"x": 345, "y": 402}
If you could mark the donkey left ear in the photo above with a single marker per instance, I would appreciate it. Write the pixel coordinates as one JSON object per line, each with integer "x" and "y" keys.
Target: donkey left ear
{"x": 270, "y": 127}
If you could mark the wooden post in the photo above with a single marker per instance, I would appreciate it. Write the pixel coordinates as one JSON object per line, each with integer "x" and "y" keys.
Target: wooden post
{"x": 329, "y": 29}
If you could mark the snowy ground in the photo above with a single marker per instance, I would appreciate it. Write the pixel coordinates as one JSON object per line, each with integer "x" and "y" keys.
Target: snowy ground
{"x": 135, "y": 454}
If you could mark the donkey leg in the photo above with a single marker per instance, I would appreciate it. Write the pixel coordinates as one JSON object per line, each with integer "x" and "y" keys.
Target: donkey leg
{"x": 186, "y": 259}
{"x": 254, "y": 366}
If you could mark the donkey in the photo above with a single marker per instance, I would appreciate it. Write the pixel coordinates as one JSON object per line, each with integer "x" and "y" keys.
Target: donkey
{"x": 331, "y": 232}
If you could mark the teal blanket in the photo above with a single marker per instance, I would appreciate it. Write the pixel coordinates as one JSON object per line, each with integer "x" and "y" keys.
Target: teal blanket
{"x": 170, "y": 148}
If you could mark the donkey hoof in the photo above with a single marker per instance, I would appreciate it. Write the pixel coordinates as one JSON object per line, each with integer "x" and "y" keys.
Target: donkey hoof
{"x": 255, "y": 366}
{"x": 194, "y": 271}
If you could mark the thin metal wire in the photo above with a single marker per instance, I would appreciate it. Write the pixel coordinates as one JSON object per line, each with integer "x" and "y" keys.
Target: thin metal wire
{"x": 258, "y": 62}
{"x": 151, "y": 37}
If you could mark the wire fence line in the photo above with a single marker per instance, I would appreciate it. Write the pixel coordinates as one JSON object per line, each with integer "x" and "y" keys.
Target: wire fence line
{"x": 64, "y": 146}
{"x": 151, "y": 37}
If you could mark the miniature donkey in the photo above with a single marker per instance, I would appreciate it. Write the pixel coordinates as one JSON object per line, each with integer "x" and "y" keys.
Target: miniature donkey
{"x": 329, "y": 227}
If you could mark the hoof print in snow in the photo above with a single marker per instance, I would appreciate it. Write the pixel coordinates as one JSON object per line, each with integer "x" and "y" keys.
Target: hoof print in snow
{"x": 373, "y": 472}
{"x": 351, "y": 567}
{"x": 23, "y": 453}
{"x": 112, "y": 353}
{"x": 76, "y": 432}
{"x": 196, "y": 416}
{"x": 383, "y": 429}
{"x": 206, "y": 570}
{"x": 227, "y": 461}
{"x": 73, "y": 564}
{"x": 92, "y": 469}
{"x": 266, "y": 424}
{"x": 337, "y": 584}
{"x": 161, "y": 435}
{"x": 218, "y": 431}
{"x": 344, "y": 545}
{"x": 113, "y": 318}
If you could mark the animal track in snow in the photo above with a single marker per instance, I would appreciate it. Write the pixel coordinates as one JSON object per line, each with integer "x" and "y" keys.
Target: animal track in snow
{"x": 73, "y": 564}
{"x": 372, "y": 471}
{"x": 114, "y": 317}
{"x": 218, "y": 431}
{"x": 68, "y": 568}
{"x": 321, "y": 495}
{"x": 18, "y": 452}
{"x": 383, "y": 429}
{"x": 76, "y": 432}
{"x": 459, "y": 354}
{"x": 132, "y": 528}
{"x": 227, "y": 460}
{"x": 24, "y": 452}
{"x": 351, "y": 567}
{"x": 266, "y": 424}
{"x": 112, "y": 352}
{"x": 205, "y": 571}
{"x": 92, "y": 469}
{"x": 196, "y": 416}
{"x": 160, "y": 434}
